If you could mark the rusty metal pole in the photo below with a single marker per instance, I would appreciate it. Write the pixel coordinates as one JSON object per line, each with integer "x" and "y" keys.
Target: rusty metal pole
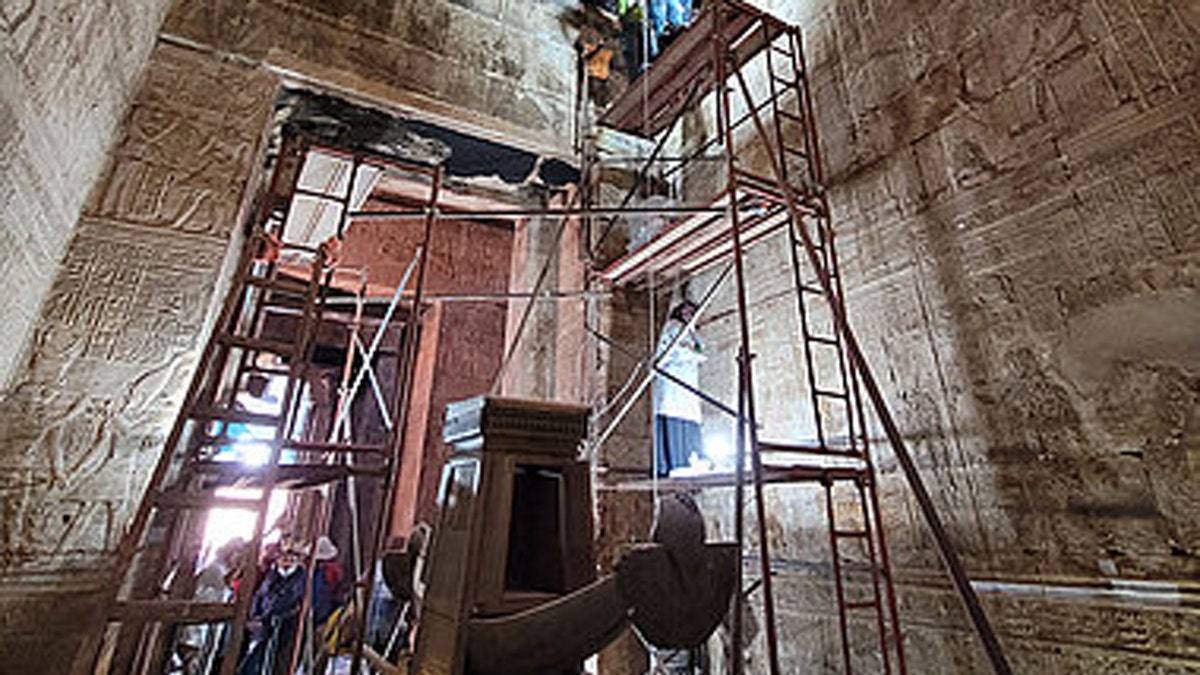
{"x": 721, "y": 53}
{"x": 411, "y": 347}
{"x": 946, "y": 550}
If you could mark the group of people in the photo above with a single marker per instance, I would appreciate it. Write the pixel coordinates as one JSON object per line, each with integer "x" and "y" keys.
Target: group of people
{"x": 274, "y": 621}
{"x": 200, "y": 646}
{"x": 275, "y": 616}
{"x": 646, "y": 27}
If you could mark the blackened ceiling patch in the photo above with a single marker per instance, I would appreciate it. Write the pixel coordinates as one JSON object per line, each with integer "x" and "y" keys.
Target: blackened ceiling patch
{"x": 343, "y": 124}
{"x": 557, "y": 173}
{"x": 472, "y": 157}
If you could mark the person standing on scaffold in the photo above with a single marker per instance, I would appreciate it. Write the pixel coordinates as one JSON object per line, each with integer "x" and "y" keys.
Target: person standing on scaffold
{"x": 677, "y": 417}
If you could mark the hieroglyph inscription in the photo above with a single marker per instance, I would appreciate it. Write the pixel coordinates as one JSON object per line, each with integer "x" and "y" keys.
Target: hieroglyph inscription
{"x": 125, "y": 318}
{"x": 128, "y": 298}
{"x": 117, "y": 339}
{"x": 174, "y": 172}
{"x": 187, "y": 147}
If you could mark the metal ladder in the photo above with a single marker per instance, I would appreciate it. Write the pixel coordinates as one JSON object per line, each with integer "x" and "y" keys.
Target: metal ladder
{"x": 161, "y": 547}
{"x": 836, "y": 370}
{"x": 833, "y": 389}
{"x": 154, "y": 581}
{"x": 832, "y": 398}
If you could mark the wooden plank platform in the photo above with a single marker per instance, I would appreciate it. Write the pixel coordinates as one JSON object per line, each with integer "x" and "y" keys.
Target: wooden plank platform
{"x": 772, "y": 475}
{"x": 289, "y": 476}
{"x": 649, "y": 104}
{"x": 693, "y": 243}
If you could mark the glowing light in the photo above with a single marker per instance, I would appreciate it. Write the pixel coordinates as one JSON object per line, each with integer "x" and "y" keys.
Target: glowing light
{"x": 226, "y": 524}
{"x": 251, "y": 454}
{"x": 719, "y": 450}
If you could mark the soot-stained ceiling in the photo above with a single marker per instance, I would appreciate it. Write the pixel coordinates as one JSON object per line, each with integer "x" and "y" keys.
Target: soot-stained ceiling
{"x": 343, "y": 124}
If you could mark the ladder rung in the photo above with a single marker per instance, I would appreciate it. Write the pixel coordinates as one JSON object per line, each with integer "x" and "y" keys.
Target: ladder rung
{"x": 267, "y": 370}
{"x": 307, "y": 474}
{"x": 211, "y": 467}
{"x": 280, "y": 284}
{"x": 313, "y": 446}
{"x": 299, "y": 446}
{"x": 257, "y": 344}
{"x": 783, "y": 80}
{"x": 814, "y": 283}
{"x": 777, "y": 50}
{"x": 776, "y": 447}
{"x": 791, "y": 116}
{"x": 317, "y": 194}
{"x": 824, "y": 474}
{"x": 823, "y": 340}
{"x": 757, "y": 181}
{"x": 829, "y": 393}
{"x": 820, "y": 236}
{"x": 794, "y": 151}
{"x": 235, "y": 416}
{"x": 851, "y": 534}
{"x": 788, "y": 76}
{"x": 208, "y": 440}
{"x": 818, "y": 244}
{"x": 294, "y": 246}
{"x": 173, "y": 611}
{"x": 812, "y": 204}
{"x": 819, "y": 248}
{"x": 865, "y": 604}
{"x": 203, "y": 500}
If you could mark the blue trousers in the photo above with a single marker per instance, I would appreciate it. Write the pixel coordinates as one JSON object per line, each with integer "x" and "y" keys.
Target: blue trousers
{"x": 665, "y": 14}
{"x": 675, "y": 440}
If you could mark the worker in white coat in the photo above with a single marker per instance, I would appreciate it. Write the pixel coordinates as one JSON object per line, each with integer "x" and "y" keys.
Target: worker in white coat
{"x": 676, "y": 409}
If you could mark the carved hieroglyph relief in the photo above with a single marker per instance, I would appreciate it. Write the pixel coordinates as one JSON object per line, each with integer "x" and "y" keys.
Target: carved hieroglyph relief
{"x": 125, "y": 296}
{"x": 121, "y": 329}
{"x": 114, "y": 347}
{"x": 186, "y": 148}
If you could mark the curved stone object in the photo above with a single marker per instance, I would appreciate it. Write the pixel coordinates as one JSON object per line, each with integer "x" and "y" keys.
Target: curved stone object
{"x": 551, "y": 637}
{"x": 678, "y": 600}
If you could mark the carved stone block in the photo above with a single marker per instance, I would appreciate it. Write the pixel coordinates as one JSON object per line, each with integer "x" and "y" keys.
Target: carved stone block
{"x": 128, "y": 296}
{"x": 126, "y": 314}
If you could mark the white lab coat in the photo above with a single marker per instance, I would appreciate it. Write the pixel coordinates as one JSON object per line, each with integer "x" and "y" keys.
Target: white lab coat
{"x": 683, "y": 362}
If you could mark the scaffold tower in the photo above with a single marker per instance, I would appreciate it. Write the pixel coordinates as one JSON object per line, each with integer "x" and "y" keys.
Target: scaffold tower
{"x": 223, "y": 454}
{"x": 746, "y": 69}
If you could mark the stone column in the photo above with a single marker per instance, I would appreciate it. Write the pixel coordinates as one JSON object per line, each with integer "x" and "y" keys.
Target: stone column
{"x": 117, "y": 341}
{"x": 530, "y": 373}
{"x": 68, "y": 71}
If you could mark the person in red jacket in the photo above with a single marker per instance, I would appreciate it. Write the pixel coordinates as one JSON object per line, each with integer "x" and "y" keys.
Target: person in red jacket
{"x": 327, "y": 581}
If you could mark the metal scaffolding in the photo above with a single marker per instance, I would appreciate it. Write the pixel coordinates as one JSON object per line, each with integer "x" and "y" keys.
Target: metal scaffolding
{"x": 749, "y": 68}
{"x": 155, "y": 585}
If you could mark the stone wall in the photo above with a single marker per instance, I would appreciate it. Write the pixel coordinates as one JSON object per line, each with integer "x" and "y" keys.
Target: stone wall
{"x": 117, "y": 339}
{"x": 127, "y": 310}
{"x": 1014, "y": 185}
{"x": 67, "y": 71}
{"x": 504, "y": 68}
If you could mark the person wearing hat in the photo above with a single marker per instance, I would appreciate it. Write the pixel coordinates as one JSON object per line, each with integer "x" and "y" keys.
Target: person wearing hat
{"x": 327, "y": 580}
{"x": 275, "y": 614}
